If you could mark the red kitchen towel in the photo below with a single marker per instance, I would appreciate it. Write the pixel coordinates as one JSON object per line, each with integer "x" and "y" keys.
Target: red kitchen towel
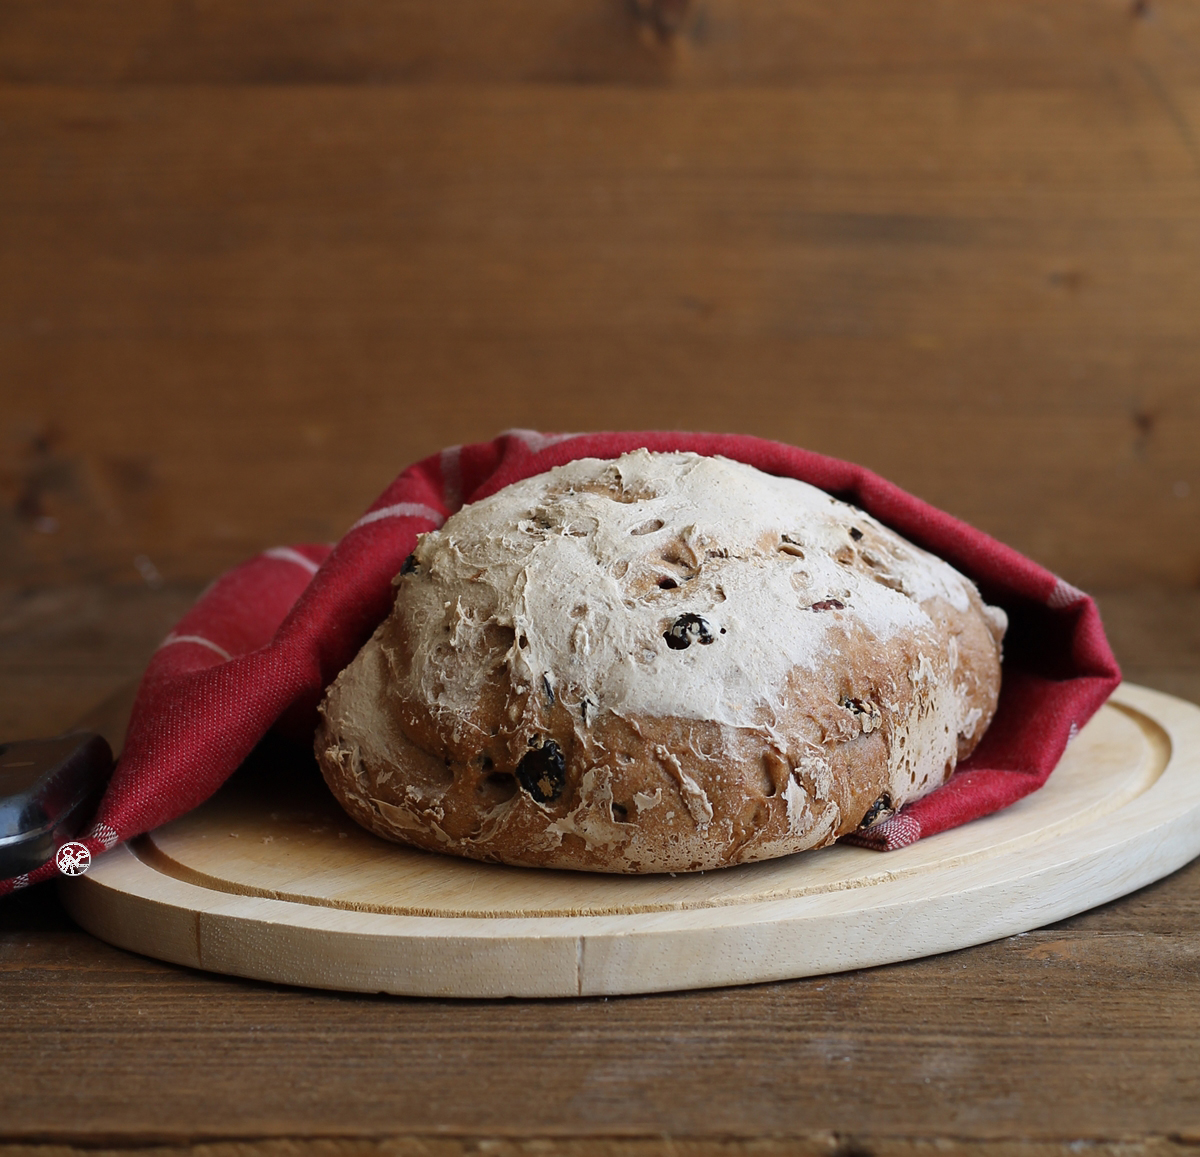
{"x": 263, "y": 642}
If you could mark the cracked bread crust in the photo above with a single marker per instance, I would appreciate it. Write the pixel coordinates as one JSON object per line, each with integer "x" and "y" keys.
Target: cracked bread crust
{"x": 659, "y": 663}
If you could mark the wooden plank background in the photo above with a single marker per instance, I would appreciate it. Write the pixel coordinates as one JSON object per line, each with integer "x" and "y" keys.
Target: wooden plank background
{"x": 256, "y": 259}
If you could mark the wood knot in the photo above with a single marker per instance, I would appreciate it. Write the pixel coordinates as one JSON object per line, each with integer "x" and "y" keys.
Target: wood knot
{"x": 664, "y": 18}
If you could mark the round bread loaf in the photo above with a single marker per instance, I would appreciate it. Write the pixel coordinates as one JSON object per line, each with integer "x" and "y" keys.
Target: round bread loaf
{"x": 658, "y": 663}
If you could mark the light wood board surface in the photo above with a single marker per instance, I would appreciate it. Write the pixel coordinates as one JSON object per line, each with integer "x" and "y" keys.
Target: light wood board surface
{"x": 270, "y": 880}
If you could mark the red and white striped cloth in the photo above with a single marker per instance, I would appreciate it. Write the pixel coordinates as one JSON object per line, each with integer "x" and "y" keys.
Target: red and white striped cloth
{"x": 263, "y": 642}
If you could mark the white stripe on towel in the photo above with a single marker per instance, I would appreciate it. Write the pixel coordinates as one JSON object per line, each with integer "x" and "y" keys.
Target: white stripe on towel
{"x": 199, "y": 640}
{"x": 401, "y": 510}
{"x": 537, "y": 441}
{"x": 286, "y": 554}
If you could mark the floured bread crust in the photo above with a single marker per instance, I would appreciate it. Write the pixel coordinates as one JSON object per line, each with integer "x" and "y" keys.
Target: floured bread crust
{"x": 660, "y": 663}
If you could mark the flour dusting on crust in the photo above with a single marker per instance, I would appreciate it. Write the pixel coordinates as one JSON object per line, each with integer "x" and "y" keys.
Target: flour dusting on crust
{"x": 661, "y": 662}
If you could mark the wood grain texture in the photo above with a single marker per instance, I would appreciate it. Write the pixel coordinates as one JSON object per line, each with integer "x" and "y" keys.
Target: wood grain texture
{"x": 254, "y": 262}
{"x": 268, "y": 880}
{"x": 1084, "y": 1032}
{"x": 706, "y": 42}
{"x": 1060, "y": 1034}
{"x": 65, "y": 650}
{"x": 821, "y": 1144}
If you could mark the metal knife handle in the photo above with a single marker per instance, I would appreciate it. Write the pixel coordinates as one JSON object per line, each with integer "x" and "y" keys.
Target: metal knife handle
{"x": 49, "y": 789}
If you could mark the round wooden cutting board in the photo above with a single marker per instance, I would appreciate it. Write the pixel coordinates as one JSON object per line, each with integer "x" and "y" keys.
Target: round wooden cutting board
{"x": 271, "y": 880}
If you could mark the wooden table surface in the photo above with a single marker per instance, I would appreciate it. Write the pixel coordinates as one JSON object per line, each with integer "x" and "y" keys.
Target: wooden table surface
{"x": 1083, "y": 1034}
{"x": 256, "y": 258}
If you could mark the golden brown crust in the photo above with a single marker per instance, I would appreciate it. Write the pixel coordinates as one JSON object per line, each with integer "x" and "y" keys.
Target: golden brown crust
{"x": 550, "y": 772}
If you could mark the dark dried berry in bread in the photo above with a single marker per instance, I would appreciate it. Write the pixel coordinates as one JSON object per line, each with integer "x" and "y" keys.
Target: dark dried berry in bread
{"x": 879, "y": 811}
{"x": 542, "y": 773}
{"x": 686, "y": 630}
